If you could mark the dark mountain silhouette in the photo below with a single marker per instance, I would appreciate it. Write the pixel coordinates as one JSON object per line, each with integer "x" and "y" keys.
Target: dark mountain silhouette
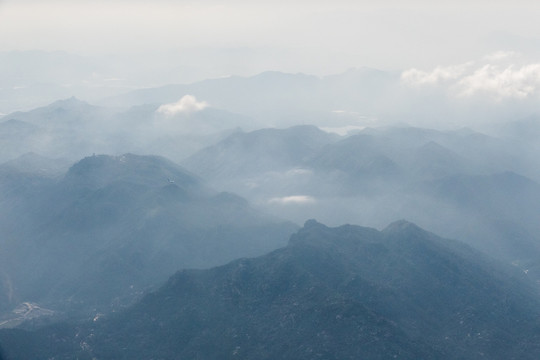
{"x": 333, "y": 293}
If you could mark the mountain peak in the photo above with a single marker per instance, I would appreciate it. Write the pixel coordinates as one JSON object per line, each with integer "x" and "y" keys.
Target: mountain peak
{"x": 312, "y": 223}
{"x": 401, "y": 226}
{"x": 71, "y": 102}
{"x": 99, "y": 170}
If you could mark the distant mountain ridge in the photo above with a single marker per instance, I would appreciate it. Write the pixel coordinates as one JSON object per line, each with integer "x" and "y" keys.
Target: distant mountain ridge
{"x": 277, "y": 99}
{"x": 436, "y": 178}
{"x": 72, "y": 128}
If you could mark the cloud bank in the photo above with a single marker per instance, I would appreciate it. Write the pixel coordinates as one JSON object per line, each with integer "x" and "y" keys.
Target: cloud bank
{"x": 440, "y": 74}
{"x": 509, "y": 82}
{"x": 498, "y": 76}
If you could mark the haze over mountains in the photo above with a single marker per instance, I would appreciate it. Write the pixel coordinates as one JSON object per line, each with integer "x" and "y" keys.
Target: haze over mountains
{"x": 72, "y": 129}
{"x": 372, "y": 175}
{"x": 113, "y": 227}
{"x": 484, "y": 92}
{"x": 103, "y": 200}
{"x": 435, "y": 178}
{"x": 158, "y": 160}
{"x": 360, "y": 97}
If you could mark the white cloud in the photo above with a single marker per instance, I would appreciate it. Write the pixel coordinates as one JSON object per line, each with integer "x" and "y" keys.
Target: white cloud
{"x": 500, "y": 75}
{"x": 508, "y": 82}
{"x": 438, "y": 75}
{"x": 295, "y": 199}
{"x": 186, "y": 105}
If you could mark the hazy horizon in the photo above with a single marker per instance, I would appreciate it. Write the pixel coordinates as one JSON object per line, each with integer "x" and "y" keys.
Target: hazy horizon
{"x": 194, "y": 41}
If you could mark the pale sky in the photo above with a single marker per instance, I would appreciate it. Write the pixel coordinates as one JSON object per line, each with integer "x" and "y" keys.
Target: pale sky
{"x": 317, "y": 36}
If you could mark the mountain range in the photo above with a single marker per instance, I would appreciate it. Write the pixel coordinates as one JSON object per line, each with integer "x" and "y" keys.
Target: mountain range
{"x": 434, "y": 178}
{"x": 114, "y": 227}
{"x": 127, "y": 182}
{"x": 332, "y": 293}
{"x": 72, "y": 128}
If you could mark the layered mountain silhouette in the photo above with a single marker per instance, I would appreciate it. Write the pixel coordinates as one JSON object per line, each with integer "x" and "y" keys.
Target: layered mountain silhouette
{"x": 58, "y": 130}
{"x": 72, "y": 129}
{"x": 115, "y": 226}
{"x": 333, "y": 293}
{"x": 389, "y": 157}
{"x": 435, "y": 178}
{"x": 282, "y": 99}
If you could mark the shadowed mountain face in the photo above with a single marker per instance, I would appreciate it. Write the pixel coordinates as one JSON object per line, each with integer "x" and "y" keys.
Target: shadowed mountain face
{"x": 333, "y": 293}
{"x": 114, "y": 226}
